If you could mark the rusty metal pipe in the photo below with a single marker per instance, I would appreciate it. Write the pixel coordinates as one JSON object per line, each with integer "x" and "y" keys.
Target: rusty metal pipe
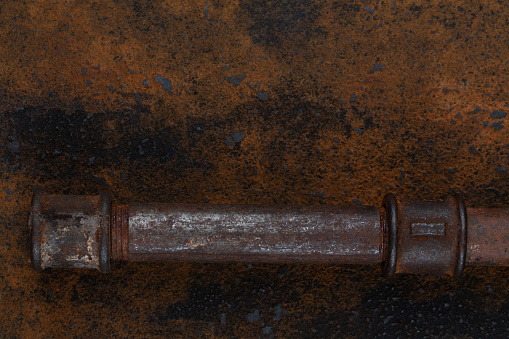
{"x": 247, "y": 233}
{"x": 405, "y": 236}
{"x": 488, "y": 237}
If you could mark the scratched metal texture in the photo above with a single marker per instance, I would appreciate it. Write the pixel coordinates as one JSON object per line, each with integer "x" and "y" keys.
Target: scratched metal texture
{"x": 252, "y": 233}
{"x": 255, "y": 102}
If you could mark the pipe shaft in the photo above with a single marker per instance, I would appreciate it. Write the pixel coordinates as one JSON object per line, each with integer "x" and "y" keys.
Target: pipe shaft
{"x": 488, "y": 237}
{"x": 249, "y": 233}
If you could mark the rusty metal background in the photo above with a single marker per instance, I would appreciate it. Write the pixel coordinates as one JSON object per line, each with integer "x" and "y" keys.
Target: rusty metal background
{"x": 321, "y": 102}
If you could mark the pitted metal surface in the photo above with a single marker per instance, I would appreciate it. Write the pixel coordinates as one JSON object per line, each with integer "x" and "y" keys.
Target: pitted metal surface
{"x": 69, "y": 231}
{"x": 253, "y": 102}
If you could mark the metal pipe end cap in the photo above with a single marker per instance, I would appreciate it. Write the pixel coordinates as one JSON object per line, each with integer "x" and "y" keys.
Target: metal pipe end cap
{"x": 69, "y": 231}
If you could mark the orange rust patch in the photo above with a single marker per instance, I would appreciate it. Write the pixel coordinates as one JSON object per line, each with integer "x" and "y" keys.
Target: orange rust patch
{"x": 250, "y": 102}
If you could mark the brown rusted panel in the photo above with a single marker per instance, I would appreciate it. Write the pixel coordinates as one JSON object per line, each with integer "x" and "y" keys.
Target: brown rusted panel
{"x": 430, "y": 237}
{"x": 488, "y": 236}
{"x": 350, "y": 98}
{"x": 70, "y": 231}
{"x": 229, "y": 233}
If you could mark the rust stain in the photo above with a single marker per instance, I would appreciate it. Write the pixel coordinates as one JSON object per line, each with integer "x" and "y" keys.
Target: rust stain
{"x": 266, "y": 102}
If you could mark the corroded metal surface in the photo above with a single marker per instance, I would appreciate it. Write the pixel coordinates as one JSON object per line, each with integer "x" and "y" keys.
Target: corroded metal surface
{"x": 251, "y": 102}
{"x": 120, "y": 232}
{"x": 488, "y": 236}
{"x": 70, "y": 231}
{"x": 427, "y": 236}
{"x": 233, "y": 233}
{"x": 406, "y": 236}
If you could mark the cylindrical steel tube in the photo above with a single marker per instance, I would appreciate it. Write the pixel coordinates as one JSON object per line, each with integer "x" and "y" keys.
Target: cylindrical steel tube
{"x": 488, "y": 237}
{"x": 251, "y": 233}
{"x": 406, "y": 236}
